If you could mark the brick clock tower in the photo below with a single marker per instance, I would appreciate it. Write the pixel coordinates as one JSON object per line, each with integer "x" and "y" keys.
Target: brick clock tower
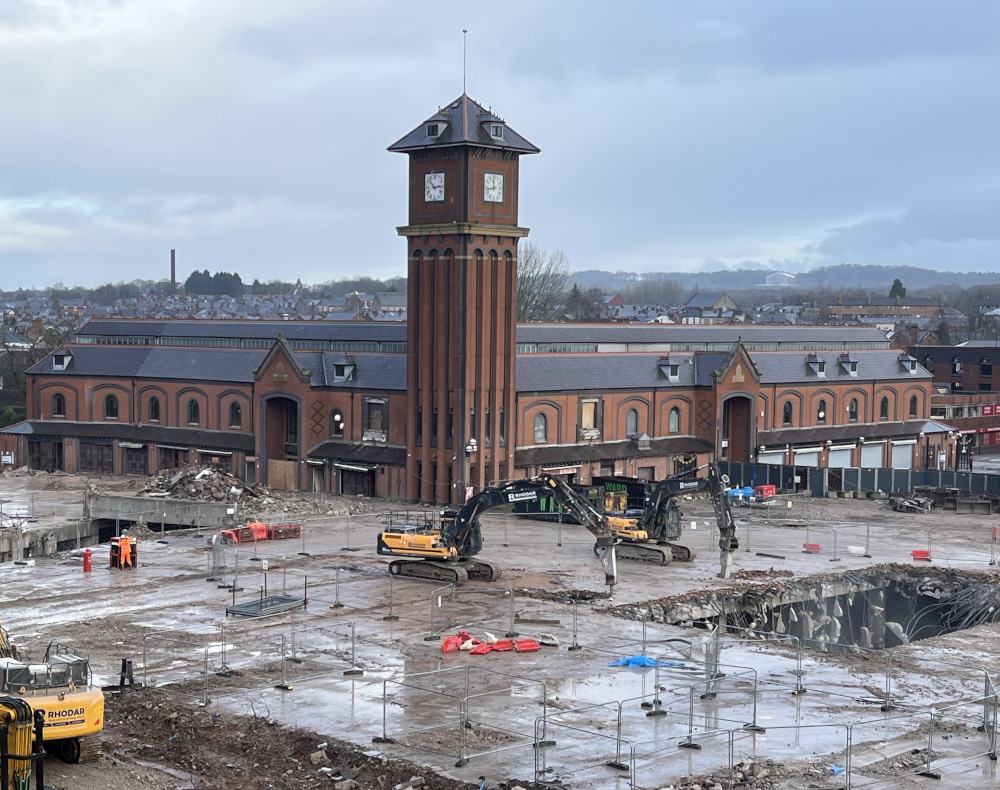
{"x": 462, "y": 295}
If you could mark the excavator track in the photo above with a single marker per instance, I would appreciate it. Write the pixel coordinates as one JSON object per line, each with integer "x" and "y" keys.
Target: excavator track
{"x": 480, "y": 571}
{"x": 422, "y": 569}
{"x": 681, "y": 553}
{"x": 85, "y": 749}
{"x": 643, "y": 552}
{"x": 444, "y": 573}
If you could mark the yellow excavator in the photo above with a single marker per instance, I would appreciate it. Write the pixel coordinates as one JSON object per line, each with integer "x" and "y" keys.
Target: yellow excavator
{"x": 456, "y": 538}
{"x": 659, "y": 524}
{"x": 60, "y": 690}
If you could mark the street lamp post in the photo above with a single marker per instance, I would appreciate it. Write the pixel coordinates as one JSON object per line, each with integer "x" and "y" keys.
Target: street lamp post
{"x": 470, "y": 450}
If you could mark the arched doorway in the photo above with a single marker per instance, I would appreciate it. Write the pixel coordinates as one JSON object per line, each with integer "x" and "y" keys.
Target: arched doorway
{"x": 735, "y": 441}
{"x": 280, "y": 442}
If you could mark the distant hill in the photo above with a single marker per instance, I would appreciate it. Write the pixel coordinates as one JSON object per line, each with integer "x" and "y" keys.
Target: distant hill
{"x": 840, "y": 277}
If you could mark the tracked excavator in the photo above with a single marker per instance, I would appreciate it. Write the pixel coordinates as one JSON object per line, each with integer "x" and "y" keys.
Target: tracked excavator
{"x": 438, "y": 552}
{"x": 643, "y": 537}
{"x": 58, "y": 697}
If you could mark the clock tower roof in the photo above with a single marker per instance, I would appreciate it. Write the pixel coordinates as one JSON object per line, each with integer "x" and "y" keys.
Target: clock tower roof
{"x": 464, "y": 122}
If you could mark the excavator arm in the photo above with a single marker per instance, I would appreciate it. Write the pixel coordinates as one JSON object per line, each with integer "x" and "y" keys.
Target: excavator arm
{"x": 463, "y": 531}
{"x": 662, "y": 518}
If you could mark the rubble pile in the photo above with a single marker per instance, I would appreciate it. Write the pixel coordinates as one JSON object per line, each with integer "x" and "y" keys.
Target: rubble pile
{"x": 203, "y": 484}
{"x": 211, "y": 484}
{"x": 757, "y": 774}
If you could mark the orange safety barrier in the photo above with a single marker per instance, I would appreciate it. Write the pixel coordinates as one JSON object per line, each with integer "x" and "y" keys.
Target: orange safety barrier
{"x": 527, "y": 646}
{"x": 810, "y": 548}
{"x": 922, "y": 554}
{"x": 502, "y": 645}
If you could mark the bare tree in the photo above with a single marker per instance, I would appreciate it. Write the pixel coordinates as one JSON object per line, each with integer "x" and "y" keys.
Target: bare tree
{"x": 542, "y": 279}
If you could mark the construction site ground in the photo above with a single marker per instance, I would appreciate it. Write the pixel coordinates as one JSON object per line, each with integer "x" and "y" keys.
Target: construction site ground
{"x": 363, "y": 658}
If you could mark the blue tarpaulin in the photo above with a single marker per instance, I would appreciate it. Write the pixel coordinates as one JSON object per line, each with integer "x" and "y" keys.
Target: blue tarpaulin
{"x": 643, "y": 661}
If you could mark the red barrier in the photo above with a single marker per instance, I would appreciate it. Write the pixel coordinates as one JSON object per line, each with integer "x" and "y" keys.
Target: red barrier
{"x": 810, "y": 548}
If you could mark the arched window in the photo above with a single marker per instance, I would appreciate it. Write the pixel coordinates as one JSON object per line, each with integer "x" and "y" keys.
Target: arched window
{"x": 821, "y": 412}
{"x": 913, "y": 405}
{"x": 235, "y": 415}
{"x": 194, "y": 413}
{"x": 111, "y": 408}
{"x": 883, "y": 409}
{"x": 852, "y": 410}
{"x": 632, "y": 422}
{"x": 674, "y": 421}
{"x": 58, "y": 405}
{"x": 153, "y": 409}
{"x": 541, "y": 428}
{"x": 786, "y": 413}
{"x": 337, "y": 424}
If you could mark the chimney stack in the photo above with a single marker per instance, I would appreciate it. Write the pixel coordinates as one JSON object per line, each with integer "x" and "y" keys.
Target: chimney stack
{"x": 173, "y": 270}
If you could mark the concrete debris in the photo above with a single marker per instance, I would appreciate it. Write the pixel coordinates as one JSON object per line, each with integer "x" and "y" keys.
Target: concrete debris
{"x": 207, "y": 484}
{"x": 319, "y": 758}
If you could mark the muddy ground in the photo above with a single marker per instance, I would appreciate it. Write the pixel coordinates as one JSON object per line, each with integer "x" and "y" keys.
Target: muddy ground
{"x": 167, "y": 741}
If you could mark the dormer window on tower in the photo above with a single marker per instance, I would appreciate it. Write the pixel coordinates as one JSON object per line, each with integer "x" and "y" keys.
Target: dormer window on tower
{"x": 909, "y": 363}
{"x": 496, "y": 131}
{"x": 434, "y": 129}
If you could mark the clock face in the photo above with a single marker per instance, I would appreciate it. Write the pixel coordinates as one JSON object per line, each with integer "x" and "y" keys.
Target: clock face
{"x": 433, "y": 187}
{"x": 493, "y": 188}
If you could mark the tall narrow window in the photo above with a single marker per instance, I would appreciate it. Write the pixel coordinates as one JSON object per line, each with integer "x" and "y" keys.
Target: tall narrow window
{"x": 541, "y": 429}
{"x": 674, "y": 421}
{"x": 821, "y": 412}
{"x": 913, "y": 406}
{"x": 153, "y": 409}
{"x": 883, "y": 409}
{"x": 786, "y": 413}
{"x": 111, "y": 408}
{"x": 235, "y": 415}
{"x": 337, "y": 424}
{"x": 58, "y": 405}
{"x": 852, "y": 410}
{"x": 503, "y": 429}
{"x": 488, "y": 426}
{"x": 472, "y": 425}
{"x": 632, "y": 422}
{"x": 194, "y": 412}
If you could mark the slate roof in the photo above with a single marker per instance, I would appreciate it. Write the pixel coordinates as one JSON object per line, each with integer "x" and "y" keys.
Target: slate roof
{"x": 560, "y": 454}
{"x": 704, "y": 300}
{"x": 373, "y": 372}
{"x": 835, "y": 336}
{"x": 160, "y": 362}
{"x": 566, "y": 372}
{"x": 784, "y": 367}
{"x": 465, "y": 122}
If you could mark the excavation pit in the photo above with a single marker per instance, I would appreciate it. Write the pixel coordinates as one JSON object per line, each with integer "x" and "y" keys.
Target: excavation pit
{"x": 873, "y": 609}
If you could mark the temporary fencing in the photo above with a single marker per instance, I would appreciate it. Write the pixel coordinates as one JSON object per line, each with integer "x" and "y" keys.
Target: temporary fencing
{"x": 460, "y": 712}
{"x": 229, "y": 659}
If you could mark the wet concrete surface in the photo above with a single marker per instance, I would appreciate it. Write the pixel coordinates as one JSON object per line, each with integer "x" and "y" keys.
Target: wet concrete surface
{"x": 421, "y": 698}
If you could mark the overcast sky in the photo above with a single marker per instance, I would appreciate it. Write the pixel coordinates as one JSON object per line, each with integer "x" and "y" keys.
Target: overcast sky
{"x": 251, "y": 135}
